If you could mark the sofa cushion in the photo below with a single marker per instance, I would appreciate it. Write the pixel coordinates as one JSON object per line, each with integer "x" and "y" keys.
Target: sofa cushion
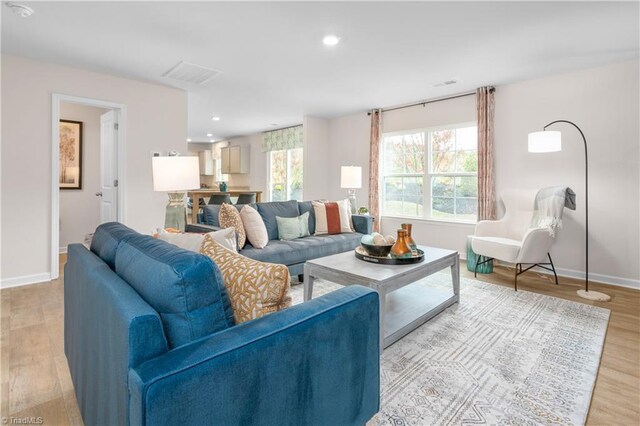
{"x": 255, "y": 288}
{"x": 291, "y": 252}
{"x": 106, "y": 239}
{"x": 185, "y": 288}
{"x": 307, "y": 206}
{"x": 270, "y": 210}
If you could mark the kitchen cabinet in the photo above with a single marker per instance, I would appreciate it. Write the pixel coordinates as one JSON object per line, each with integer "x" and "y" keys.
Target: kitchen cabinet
{"x": 235, "y": 159}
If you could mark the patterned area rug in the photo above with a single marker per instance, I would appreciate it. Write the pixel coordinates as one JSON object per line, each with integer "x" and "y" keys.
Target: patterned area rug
{"x": 498, "y": 357}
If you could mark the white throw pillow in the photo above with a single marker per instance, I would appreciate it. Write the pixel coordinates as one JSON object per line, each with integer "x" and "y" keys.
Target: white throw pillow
{"x": 254, "y": 227}
{"x": 332, "y": 217}
{"x": 193, "y": 241}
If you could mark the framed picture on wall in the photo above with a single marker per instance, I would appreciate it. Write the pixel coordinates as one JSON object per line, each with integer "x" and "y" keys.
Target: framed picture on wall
{"x": 70, "y": 170}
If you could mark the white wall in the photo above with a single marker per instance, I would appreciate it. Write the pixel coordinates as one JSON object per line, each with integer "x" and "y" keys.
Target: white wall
{"x": 603, "y": 101}
{"x": 315, "y": 158}
{"x": 80, "y": 208}
{"x": 156, "y": 121}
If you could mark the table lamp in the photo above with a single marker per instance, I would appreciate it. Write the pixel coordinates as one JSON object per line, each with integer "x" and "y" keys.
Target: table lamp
{"x": 175, "y": 175}
{"x": 551, "y": 141}
{"x": 351, "y": 179}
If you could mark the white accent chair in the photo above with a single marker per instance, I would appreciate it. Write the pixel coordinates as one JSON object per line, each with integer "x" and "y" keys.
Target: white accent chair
{"x": 511, "y": 239}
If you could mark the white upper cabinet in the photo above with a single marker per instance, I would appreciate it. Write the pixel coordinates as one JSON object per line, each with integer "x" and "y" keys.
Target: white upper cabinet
{"x": 235, "y": 159}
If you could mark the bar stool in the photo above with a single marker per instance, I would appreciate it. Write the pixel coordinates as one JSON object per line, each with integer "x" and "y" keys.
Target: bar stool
{"x": 246, "y": 199}
{"x": 220, "y": 199}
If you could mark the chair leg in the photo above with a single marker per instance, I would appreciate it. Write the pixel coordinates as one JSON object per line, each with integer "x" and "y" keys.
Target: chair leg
{"x": 475, "y": 270}
{"x": 553, "y": 268}
{"x": 515, "y": 277}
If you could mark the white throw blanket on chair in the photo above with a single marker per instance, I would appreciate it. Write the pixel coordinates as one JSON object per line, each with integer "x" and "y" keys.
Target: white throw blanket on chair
{"x": 549, "y": 205}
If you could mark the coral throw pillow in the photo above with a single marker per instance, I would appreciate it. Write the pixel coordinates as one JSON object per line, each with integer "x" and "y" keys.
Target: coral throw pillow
{"x": 332, "y": 217}
{"x": 229, "y": 217}
{"x": 255, "y": 288}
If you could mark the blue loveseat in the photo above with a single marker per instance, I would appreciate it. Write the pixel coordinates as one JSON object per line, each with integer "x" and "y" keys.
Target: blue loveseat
{"x": 292, "y": 253}
{"x": 150, "y": 340}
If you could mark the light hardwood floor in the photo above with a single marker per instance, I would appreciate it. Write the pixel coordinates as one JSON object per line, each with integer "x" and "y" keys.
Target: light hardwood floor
{"x": 35, "y": 379}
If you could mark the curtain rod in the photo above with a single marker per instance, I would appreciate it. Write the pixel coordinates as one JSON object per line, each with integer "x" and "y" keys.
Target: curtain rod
{"x": 424, "y": 103}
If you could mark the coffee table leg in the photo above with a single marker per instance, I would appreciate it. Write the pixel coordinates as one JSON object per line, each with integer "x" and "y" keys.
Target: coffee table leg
{"x": 308, "y": 283}
{"x": 455, "y": 277}
{"x": 383, "y": 307}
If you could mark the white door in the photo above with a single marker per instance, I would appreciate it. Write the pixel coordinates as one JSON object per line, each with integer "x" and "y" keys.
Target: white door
{"x": 108, "y": 167}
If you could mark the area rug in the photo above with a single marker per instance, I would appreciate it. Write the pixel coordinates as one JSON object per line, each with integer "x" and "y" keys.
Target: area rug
{"x": 498, "y": 357}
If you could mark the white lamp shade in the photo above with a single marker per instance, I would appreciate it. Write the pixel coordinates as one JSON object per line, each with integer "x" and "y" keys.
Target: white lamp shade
{"x": 545, "y": 141}
{"x": 351, "y": 177}
{"x": 174, "y": 174}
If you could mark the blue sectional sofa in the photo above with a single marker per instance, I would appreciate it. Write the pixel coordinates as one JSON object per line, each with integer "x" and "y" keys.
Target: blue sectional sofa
{"x": 292, "y": 253}
{"x": 150, "y": 340}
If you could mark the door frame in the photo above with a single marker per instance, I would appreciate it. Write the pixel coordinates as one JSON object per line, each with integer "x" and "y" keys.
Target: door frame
{"x": 121, "y": 113}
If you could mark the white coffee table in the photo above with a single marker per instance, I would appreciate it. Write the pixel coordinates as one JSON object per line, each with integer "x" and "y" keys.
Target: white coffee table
{"x": 403, "y": 307}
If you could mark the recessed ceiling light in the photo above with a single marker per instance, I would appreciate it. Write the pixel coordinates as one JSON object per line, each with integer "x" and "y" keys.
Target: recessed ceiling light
{"x": 20, "y": 9}
{"x": 273, "y": 124}
{"x": 331, "y": 40}
{"x": 215, "y": 118}
{"x": 209, "y": 135}
{"x": 188, "y": 140}
{"x": 212, "y": 140}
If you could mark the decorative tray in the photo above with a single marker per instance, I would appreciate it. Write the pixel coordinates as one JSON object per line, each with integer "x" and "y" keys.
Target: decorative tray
{"x": 362, "y": 254}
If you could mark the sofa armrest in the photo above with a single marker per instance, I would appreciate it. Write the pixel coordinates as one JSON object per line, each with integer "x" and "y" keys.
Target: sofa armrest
{"x": 362, "y": 223}
{"x": 314, "y": 363}
{"x": 200, "y": 228}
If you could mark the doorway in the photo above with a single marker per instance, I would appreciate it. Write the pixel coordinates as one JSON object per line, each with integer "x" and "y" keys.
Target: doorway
{"x": 88, "y": 181}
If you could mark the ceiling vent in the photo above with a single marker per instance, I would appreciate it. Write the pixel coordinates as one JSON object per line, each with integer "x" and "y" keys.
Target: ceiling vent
{"x": 445, "y": 83}
{"x": 191, "y": 73}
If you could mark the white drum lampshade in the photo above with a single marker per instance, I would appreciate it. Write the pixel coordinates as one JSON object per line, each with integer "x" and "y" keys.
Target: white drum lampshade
{"x": 545, "y": 141}
{"x": 175, "y": 175}
{"x": 351, "y": 179}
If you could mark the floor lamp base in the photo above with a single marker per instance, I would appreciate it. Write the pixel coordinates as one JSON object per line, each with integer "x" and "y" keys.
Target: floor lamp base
{"x": 594, "y": 295}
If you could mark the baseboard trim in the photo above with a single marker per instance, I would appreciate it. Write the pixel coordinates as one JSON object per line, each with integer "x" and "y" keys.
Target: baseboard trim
{"x": 25, "y": 280}
{"x": 596, "y": 278}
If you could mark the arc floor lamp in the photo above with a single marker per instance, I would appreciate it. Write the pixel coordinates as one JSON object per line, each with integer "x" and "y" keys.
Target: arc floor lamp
{"x": 551, "y": 141}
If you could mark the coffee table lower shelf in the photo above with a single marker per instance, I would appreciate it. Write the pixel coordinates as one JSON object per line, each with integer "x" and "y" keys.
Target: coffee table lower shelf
{"x": 411, "y": 306}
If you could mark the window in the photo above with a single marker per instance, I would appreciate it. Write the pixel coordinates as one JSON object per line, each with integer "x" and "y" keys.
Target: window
{"x": 285, "y": 174}
{"x": 431, "y": 173}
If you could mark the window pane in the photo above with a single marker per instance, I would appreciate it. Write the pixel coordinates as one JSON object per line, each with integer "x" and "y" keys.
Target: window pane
{"x": 467, "y": 161}
{"x": 393, "y": 155}
{"x": 442, "y": 187}
{"x": 443, "y": 162}
{"x": 412, "y": 205}
{"x": 278, "y": 178}
{"x": 466, "y": 186}
{"x": 466, "y": 208}
{"x": 467, "y": 139}
{"x": 443, "y": 140}
{"x": 414, "y": 153}
{"x": 295, "y": 174}
{"x": 392, "y": 203}
{"x": 442, "y": 207}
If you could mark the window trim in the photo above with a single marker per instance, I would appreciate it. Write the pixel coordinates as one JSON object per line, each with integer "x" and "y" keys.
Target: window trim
{"x": 427, "y": 175}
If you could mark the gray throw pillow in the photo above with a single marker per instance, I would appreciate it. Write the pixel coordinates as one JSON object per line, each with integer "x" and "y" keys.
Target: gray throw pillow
{"x": 290, "y": 228}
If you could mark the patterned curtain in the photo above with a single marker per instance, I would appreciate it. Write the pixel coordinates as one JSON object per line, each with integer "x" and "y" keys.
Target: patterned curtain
{"x": 374, "y": 164}
{"x": 278, "y": 140}
{"x": 486, "y": 184}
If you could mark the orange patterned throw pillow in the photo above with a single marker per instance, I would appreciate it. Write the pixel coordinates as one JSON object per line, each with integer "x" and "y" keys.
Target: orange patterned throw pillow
{"x": 255, "y": 288}
{"x": 332, "y": 217}
{"x": 229, "y": 217}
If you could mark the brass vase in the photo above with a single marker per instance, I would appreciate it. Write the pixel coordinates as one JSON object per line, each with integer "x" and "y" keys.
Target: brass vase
{"x": 401, "y": 248}
{"x": 412, "y": 244}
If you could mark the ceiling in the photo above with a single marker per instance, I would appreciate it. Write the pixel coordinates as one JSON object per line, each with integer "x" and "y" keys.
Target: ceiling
{"x": 275, "y": 69}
